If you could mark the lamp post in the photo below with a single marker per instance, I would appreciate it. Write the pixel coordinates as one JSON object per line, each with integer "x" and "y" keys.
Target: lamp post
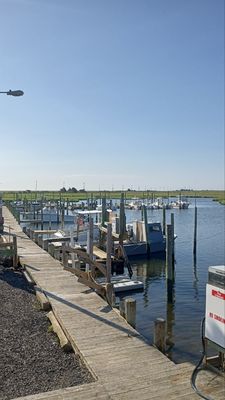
{"x": 15, "y": 93}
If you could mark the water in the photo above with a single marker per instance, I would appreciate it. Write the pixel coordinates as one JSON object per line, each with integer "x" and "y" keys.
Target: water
{"x": 184, "y": 314}
{"x": 187, "y": 309}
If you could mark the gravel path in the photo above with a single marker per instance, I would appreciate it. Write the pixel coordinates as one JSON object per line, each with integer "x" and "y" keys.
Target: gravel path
{"x": 31, "y": 360}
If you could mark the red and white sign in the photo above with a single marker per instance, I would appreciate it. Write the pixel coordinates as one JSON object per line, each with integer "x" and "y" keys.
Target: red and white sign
{"x": 215, "y": 315}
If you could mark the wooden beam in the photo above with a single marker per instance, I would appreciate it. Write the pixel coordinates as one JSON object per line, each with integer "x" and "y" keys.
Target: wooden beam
{"x": 6, "y": 244}
{"x": 84, "y": 256}
{"x": 116, "y": 236}
{"x": 44, "y": 231}
{"x": 64, "y": 342}
{"x": 86, "y": 279}
{"x": 100, "y": 289}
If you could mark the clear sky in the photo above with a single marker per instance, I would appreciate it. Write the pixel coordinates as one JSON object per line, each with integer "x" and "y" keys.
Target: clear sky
{"x": 118, "y": 94}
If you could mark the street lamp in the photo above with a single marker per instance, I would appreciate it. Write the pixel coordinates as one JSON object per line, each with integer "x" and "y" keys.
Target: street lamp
{"x": 14, "y": 93}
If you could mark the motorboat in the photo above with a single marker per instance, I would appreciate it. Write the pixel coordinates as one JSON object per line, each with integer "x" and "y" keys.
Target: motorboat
{"x": 138, "y": 243}
{"x": 181, "y": 203}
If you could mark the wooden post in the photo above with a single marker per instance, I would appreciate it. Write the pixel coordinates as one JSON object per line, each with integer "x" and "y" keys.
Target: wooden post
{"x": 122, "y": 308}
{"x": 78, "y": 226}
{"x": 67, "y": 206}
{"x": 130, "y": 311}
{"x": 117, "y": 221}
{"x": 146, "y": 229}
{"x": 172, "y": 234}
{"x": 164, "y": 220}
{"x": 42, "y": 225}
{"x": 195, "y": 231}
{"x": 31, "y": 234}
{"x": 72, "y": 244}
{"x": 160, "y": 334}
{"x": 15, "y": 252}
{"x": 109, "y": 250}
{"x": 62, "y": 215}
{"x": 169, "y": 258}
{"x": 57, "y": 210}
{"x": 142, "y": 213}
{"x": 1, "y": 219}
{"x": 169, "y": 264}
{"x": 90, "y": 243}
{"x": 122, "y": 216}
{"x": 110, "y": 295}
{"x": 103, "y": 211}
{"x": 64, "y": 255}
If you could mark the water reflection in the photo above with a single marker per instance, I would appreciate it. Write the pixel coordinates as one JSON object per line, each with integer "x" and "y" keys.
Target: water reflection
{"x": 170, "y": 319}
{"x": 148, "y": 271}
{"x": 185, "y": 307}
{"x": 195, "y": 277}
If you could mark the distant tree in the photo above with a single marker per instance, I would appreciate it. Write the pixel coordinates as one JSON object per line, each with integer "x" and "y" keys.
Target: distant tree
{"x": 82, "y": 190}
{"x": 63, "y": 190}
{"x": 72, "y": 190}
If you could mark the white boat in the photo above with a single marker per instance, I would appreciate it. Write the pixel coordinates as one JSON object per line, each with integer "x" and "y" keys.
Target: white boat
{"x": 181, "y": 203}
{"x": 134, "y": 204}
{"x": 50, "y": 215}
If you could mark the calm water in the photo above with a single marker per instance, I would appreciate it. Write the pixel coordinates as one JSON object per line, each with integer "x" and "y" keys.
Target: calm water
{"x": 185, "y": 314}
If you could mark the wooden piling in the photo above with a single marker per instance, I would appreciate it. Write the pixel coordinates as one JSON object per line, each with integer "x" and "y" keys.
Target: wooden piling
{"x": 109, "y": 250}
{"x": 195, "y": 231}
{"x": 90, "y": 243}
{"x": 148, "y": 244}
{"x": 164, "y": 220}
{"x": 64, "y": 255}
{"x": 57, "y": 211}
{"x": 110, "y": 295}
{"x": 15, "y": 259}
{"x": 169, "y": 258}
{"x": 117, "y": 220}
{"x": 122, "y": 216}
{"x": 42, "y": 225}
{"x": 122, "y": 308}
{"x": 172, "y": 234}
{"x": 169, "y": 263}
{"x": 103, "y": 211}
{"x": 67, "y": 206}
{"x": 160, "y": 334}
{"x": 62, "y": 215}
{"x": 130, "y": 311}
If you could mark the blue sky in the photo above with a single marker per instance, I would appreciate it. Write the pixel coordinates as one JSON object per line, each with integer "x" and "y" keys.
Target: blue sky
{"x": 118, "y": 94}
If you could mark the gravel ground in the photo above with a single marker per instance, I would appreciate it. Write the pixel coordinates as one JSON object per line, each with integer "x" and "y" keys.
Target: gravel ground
{"x": 31, "y": 360}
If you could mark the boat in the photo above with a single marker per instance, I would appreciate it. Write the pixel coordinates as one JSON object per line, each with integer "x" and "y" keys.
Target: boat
{"x": 124, "y": 283}
{"x": 51, "y": 215}
{"x": 140, "y": 244}
{"x": 181, "y": 203}
{"x": 134, "y": 204}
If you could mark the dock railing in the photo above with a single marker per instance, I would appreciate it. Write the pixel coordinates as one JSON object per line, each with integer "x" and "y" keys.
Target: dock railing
{"x": 8, "y": 245}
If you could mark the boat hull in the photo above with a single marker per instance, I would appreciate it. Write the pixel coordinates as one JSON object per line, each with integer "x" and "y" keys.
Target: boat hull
{"x": 141, "y": 248}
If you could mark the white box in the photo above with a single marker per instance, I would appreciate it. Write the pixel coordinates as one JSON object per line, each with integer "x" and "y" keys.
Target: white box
{"x": 215, "y": 315}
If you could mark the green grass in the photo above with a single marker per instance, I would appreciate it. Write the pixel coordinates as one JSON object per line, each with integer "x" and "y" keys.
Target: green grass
{"x": 218, "y": 195}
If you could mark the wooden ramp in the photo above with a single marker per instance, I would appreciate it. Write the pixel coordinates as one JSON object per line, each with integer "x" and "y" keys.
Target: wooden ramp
{"x": 123, "y": 364}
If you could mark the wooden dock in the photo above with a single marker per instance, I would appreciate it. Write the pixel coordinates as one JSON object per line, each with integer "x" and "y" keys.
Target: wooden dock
{"x": 124, "y": 365}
